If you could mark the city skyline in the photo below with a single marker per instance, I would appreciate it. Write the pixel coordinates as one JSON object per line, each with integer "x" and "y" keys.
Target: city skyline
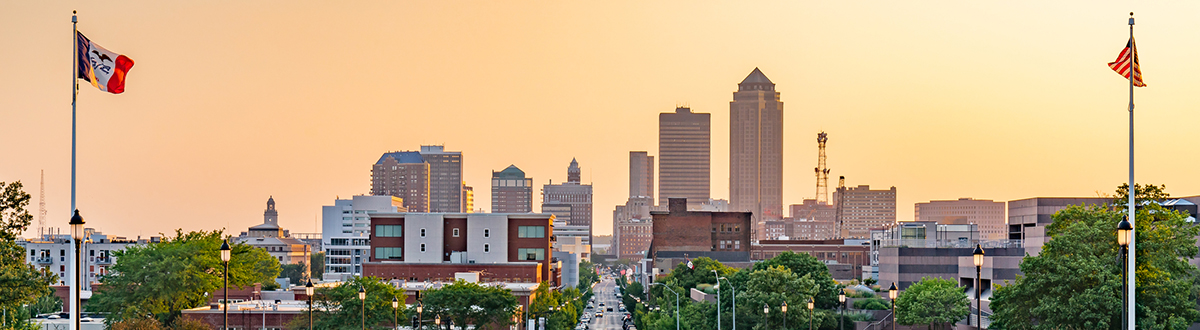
{"x": 232, "y": 103}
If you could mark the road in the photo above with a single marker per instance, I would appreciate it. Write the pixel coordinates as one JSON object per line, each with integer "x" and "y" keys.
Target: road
{"x": 604, "y": 294}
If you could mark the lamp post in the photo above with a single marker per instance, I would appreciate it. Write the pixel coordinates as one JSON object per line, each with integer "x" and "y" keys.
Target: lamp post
{"x": 892, "y": 294}
{"x": 841, "y": 308}
{"x": 766, "y": 318}
{"x": 77, "y": 238}
{"x": 420, "y": 320}
{"x": 437, "y": 320}
{"x": 677, "y": 305}
{"x": 395, "y": 309}
{"x": 308, "y": 291}
{"x": 1124, "y": 235}
{"x": 978, "y": 258}
{"x": 718, "y": 288}
{"x": 362, "y": 296}
{"x": 226, "y": 255}
{"x": 732, "y": 290}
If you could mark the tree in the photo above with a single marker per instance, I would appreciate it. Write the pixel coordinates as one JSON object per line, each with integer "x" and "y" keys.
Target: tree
{"x": 293, "y": 272}
{"x": 561, "y": 309}
{"x": 160, "y": 280}
{"x": 933, "y": 301}
{"x": 804, "y": 264}
{"x": 470, "y": 303}
{"x": 587, "y": 276}
{"x": 339, "y": 307}
{"x": 636, "y": 289}
{"x": 1075, "y": 282}
{"x": 772, "y": 287}
{"x": 317, "y": 262}
{"x": 20, "y": 283}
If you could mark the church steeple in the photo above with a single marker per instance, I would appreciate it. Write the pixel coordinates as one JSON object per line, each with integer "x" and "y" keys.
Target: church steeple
{"x": 270, "y": 216}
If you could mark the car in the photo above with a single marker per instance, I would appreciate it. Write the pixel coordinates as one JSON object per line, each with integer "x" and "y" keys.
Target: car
{"x": 599, "y": 314}
{"x": 602, "y": 304}
{"x": 609, "y": 309}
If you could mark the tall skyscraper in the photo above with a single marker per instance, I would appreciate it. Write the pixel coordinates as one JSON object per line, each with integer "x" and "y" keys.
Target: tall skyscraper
{"x": 445, "y": 179}
{"x": 863, "y": 209}
{"x": 571, "y": 205}
{"x": 512, "y": 192}
{"x": 571, "y": 201}
{"x": 756, "y": 149}
{"x": 468, "y": 197}
{"x": 403, "y": 174}
{"x": 641, "y": 174}
{"x": 684, "y": 144}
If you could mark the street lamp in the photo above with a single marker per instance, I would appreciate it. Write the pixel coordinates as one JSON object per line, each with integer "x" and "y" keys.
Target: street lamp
{"x": 841, "y": 308}
{"x": 226, "y": 255}
{"x": 766, "y": 314}
{"x": 362, "y": 296}
{"x": 733, "y": 290}
{"x": 420, "y": 308}
{"x": 1124, "y": 235}
{"x": 395, "y": 309}
{"x": 892, "y": 294}
{"x": 77, "y": 236}
{"x": 978, "y": 258}
{"x": 677, "y": 305}
{"x": 718, "y": 288}
{"x": 308, "y": 291}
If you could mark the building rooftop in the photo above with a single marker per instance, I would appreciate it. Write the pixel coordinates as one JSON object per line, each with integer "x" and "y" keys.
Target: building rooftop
{"x": 402, "y": 157}
{"x": 757, "y": 77}
{"x": 510, "y": 173}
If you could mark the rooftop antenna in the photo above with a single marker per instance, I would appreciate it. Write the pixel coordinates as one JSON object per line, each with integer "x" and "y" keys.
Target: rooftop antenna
{"x": 42, "y": 205}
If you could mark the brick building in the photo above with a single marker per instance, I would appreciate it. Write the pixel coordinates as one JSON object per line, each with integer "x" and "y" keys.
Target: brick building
{"x": 679, "y": 234}
{"x": 403, "y": 174}
{"x": 435, "y": 246}
{"x": 843, "y": 257}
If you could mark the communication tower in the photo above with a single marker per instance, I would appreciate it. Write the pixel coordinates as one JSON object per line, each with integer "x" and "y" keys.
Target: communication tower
{"x": 42, "y": 206}
{"x": 822, "y": 171}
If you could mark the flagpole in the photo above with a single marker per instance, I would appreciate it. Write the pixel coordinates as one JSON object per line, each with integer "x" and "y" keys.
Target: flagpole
{"x": 1132, "y": 260}
{"x": 77, "y": 270}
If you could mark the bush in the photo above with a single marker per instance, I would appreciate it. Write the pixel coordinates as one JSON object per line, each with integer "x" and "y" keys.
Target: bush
{"x": 860, "y": 294}
{"x": 877, "y": 304}
{"x": 859, "y": 316}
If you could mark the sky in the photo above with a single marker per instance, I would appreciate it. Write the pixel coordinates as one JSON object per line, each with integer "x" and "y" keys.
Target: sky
{"x": 231, "y": 102}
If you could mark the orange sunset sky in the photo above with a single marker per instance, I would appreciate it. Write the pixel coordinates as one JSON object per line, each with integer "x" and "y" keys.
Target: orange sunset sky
{"x": 234, "y": 101}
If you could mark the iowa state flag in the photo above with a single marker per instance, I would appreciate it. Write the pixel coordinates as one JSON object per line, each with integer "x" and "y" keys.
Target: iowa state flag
{"x": 104, "y": 69}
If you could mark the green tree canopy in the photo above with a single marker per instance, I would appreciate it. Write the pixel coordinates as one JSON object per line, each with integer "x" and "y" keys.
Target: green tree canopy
{"x": 160, "y": 280}
{"x": 339, "y": 307}
{"x": 317, "y": 268}
{"x": 561, "y": 309}
{"x": 470, "y": 303}
{"x": 1075, "y": 282}
{"x": 803, "y": 264}
{"x": 20, "y": 283}
{"x": 933, "y": 301}
{"x": 293, "y": 272}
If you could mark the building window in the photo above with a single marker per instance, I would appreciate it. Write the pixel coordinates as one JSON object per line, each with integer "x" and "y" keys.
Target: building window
{"x": 389, "y": 231}
{"x": 388, "y": 253}
{"x": 531, "y": 231}
{"x": 422, "y": 247}
{"x": 531, "y": 254}
{"x": 422, "y": 232}
{"x": 487, "y": 233}
{"x": 487, "y": 248}
{"x": 455, "y": 231}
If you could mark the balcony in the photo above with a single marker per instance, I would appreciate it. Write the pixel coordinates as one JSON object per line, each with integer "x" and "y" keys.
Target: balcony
{"x": 104, "y": 261}
{"x": 45, "y": 260}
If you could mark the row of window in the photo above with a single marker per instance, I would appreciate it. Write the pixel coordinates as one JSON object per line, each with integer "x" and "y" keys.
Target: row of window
{"x": 531, "y": 254}
{"x": 531, "y": 231}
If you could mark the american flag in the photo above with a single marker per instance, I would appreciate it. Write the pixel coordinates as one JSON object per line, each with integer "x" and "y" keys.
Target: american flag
{"x": 1123, "y": 64}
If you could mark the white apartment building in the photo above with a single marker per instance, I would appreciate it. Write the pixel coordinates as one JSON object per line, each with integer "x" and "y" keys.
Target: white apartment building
{"x": 346, "y": 232}
{"x": 54, "y": 252}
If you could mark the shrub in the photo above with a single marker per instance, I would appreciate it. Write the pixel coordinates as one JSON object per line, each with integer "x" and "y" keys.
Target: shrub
{"x": 877, "y": 304}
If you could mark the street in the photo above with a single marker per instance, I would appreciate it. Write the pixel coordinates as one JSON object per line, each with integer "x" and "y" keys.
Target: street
{"x": 604, "y": 294}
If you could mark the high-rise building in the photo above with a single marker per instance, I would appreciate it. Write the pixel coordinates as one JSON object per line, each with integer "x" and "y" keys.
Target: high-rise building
{"x": 987, "y": 214}
{"x": 468, "y": 196}
{"x": 641, "y": 174}
{"x": 403, "y": 174}
{"x": 756, "y": 149}
{"x": 684, "y": 144}
{"x": 512, "y": 192}
{"x": 864, "y": 209}
{"x": 628, "y": 239}
{"x": 445, "y": 179}
{"x": 570, "y": 202}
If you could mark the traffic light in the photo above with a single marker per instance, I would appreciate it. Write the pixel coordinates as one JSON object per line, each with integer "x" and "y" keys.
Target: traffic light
{"x": 414, "y": 322}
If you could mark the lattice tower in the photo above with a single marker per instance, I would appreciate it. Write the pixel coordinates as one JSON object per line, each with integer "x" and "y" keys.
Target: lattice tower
{"x": 42, "y": 206}
{"x": 822, "y": 171}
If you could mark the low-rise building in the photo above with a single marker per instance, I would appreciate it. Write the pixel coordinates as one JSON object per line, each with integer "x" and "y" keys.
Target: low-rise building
{"x": 346, "y": 230}
{"x": 434, "y": 246}
{"x": 679, "y": 234}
